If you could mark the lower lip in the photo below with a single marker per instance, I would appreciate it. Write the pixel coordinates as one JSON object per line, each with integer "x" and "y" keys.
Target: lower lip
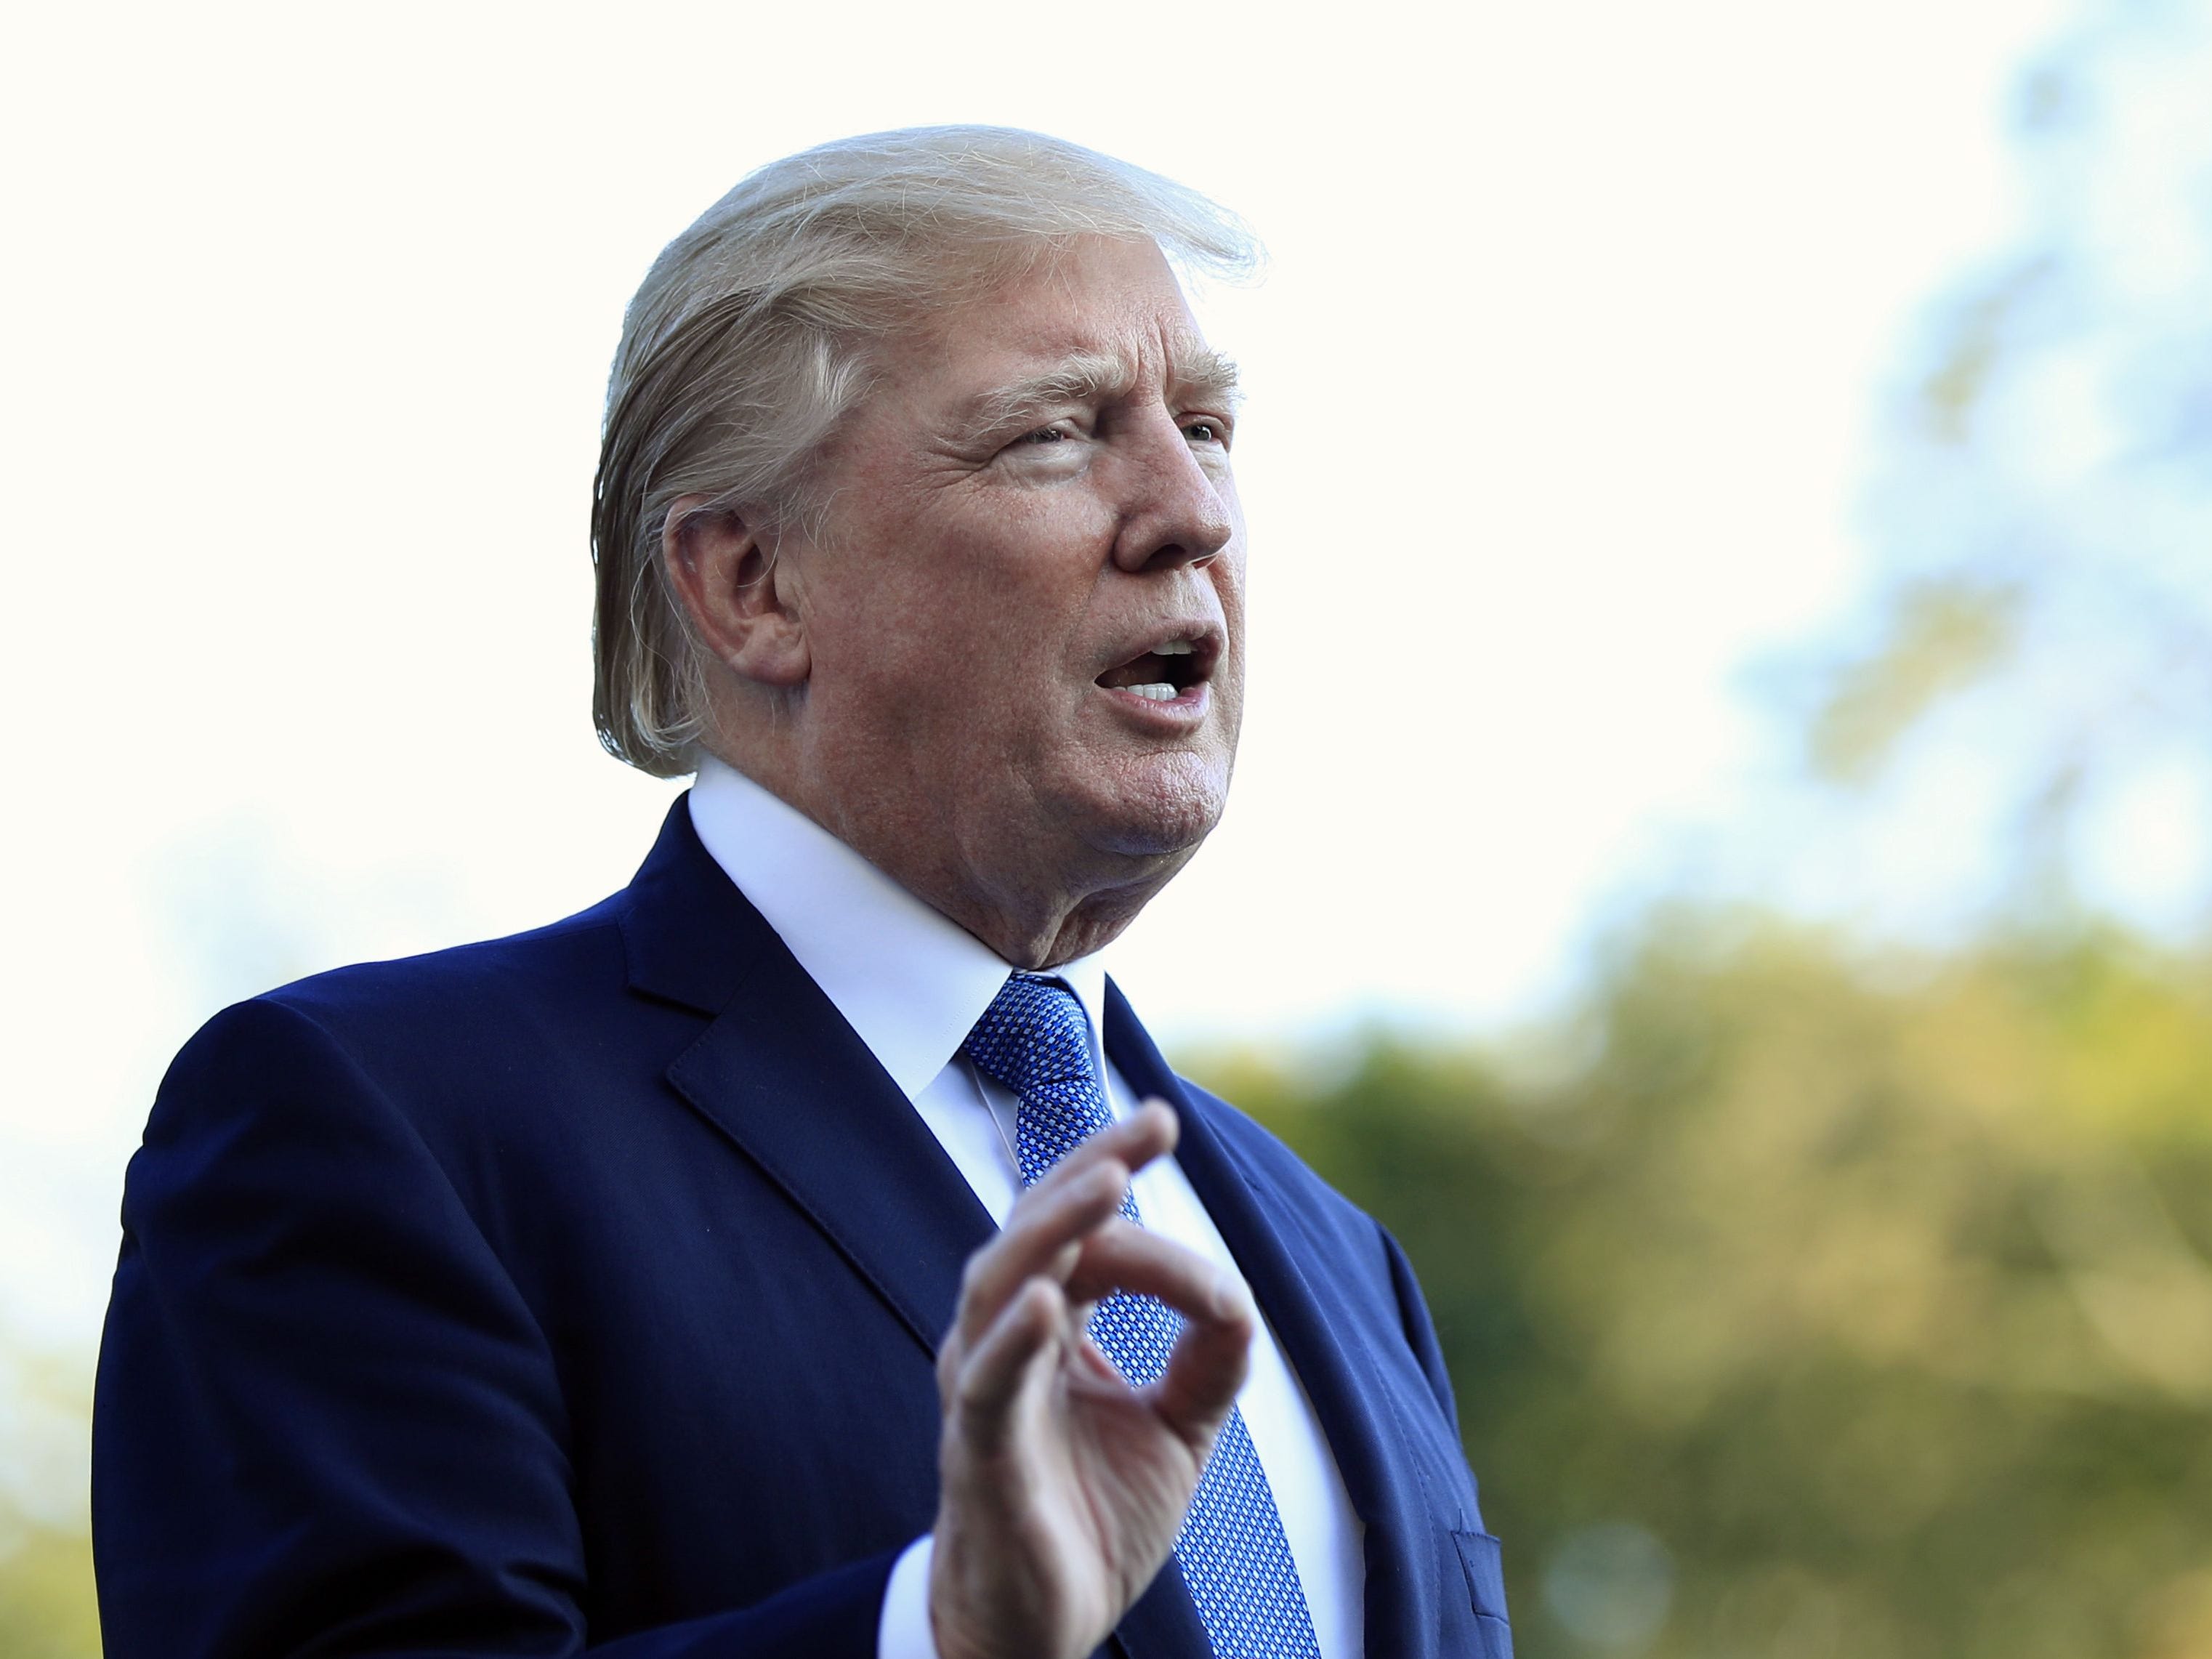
{"x": 1187, "y": 708}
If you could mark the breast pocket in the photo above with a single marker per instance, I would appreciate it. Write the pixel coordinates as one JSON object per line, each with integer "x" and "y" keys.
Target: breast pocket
{"x": 1486, "y": 1588}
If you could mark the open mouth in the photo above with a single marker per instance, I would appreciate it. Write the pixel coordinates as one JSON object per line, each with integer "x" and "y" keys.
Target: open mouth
{"x": 1170, "y": 670}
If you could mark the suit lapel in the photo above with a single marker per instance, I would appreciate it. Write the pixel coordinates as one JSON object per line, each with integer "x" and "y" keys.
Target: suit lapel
{"x": 787, "y": 1080}
{"x": 785, "y": 1077}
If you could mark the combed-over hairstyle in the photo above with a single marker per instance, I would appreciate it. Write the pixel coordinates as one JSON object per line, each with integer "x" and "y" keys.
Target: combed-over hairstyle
{"x": 749, "y": 340}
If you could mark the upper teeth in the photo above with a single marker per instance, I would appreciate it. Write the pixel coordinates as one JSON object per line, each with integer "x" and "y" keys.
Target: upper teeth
{"x": 1174, "y": 649}
{"x": 1157, "y": 691}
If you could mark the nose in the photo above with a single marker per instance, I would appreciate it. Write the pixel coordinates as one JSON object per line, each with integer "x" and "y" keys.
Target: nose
{"x": 1176, "y": 511}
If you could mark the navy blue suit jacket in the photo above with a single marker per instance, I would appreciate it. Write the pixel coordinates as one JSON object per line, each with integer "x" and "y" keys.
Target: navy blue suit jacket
{"x": 582, "y": 1289}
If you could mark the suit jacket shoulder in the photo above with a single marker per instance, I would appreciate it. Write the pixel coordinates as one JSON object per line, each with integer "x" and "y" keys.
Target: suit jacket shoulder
{"x": 440, "y": 1320}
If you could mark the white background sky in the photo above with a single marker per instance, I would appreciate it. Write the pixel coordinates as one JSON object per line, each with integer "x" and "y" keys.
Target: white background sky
{"x": 1563, "y": 382}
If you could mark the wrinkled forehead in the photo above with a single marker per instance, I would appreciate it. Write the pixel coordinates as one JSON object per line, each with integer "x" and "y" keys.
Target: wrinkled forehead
{"x": 1099, "y": 323}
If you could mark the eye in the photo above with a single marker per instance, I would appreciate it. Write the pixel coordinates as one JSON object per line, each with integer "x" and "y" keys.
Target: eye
{"x": 1206, "y": 430}
{"x": 1064, "y": 436}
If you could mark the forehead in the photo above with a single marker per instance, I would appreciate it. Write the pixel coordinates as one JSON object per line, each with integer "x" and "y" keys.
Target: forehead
{"x": 1107, "y": 308}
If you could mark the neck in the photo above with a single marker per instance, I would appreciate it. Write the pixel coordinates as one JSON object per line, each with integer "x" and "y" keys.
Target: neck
{"x": 1037, "y": 900}
{"x": 1044, "y": 935}
{"x": 1036, "y": 911}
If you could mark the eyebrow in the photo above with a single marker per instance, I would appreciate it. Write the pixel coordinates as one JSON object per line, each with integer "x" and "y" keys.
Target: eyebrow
{"x": 1195, "y": 372}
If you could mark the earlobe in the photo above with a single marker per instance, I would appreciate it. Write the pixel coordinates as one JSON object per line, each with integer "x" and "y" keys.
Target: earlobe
{"x": 727, "y": 567}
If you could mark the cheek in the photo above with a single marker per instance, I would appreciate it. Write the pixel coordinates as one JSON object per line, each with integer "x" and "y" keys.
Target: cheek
{"x": 1006, "y": 620}
{"x": 958, "y": 627}
{"x": 955, "y": 671}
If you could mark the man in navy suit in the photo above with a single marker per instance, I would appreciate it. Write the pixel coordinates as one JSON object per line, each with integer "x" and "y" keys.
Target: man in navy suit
{"x": 806, "y": 1251}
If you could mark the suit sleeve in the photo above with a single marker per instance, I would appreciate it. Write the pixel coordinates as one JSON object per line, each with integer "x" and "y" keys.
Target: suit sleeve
{"x": 326, "y": 1422}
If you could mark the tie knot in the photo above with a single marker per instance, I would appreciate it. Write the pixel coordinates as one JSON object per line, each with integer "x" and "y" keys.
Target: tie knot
{"x": 1034, "y": 1034}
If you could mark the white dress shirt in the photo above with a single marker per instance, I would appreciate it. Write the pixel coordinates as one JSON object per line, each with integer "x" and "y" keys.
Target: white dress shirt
{"x": 912, "y": 984}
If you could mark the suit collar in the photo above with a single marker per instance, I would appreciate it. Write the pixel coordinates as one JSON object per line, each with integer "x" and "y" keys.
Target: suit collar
{"x": 784, "y": 1077}
{"x": 688, "y": 936}
{"x": 909, "y": 980}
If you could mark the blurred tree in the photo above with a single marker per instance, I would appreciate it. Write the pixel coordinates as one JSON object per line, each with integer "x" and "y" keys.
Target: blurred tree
{"x": 47, "y": 1609}
{"x": 46, "y": 1604}
{"x": 1838, "y": 1307}
{"x": 2033, "y": 675}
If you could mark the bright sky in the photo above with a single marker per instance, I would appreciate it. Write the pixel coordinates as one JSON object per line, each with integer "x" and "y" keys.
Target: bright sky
{"x": 1563, "y": 381}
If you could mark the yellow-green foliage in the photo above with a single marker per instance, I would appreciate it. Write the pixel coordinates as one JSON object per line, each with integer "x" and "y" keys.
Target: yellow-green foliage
{"x": 45, "y": 1597}
{"x": 1876, "y": 1292}
{"x": 46, "y": 1607}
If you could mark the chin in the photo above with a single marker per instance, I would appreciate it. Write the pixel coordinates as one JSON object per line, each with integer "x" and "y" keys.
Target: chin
{"x": 1165, "y": 806}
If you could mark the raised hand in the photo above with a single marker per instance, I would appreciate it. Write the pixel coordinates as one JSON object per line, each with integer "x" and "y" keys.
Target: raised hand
{"x": 1063, "y": 1488}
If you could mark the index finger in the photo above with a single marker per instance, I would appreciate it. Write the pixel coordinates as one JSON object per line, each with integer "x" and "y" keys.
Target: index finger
{"x": 1045, "y": 1232}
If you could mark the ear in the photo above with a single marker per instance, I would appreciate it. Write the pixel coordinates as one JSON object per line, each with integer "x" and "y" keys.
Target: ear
{"x": 741, "y": 598}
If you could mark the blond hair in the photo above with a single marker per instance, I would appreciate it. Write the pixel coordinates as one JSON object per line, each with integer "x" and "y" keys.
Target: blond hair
{"x": 749, "y": 341}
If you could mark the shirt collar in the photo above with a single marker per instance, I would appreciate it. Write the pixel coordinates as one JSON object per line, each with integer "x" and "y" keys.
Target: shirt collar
{"x": 909, "y": 980}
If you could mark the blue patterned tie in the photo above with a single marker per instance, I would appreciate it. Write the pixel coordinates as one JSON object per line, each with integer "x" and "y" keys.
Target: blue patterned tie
{"x": 1034, "y": 1039}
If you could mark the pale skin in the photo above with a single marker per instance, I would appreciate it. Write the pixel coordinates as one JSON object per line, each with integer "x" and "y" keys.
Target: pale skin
{"x": 1010, "y": 672}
